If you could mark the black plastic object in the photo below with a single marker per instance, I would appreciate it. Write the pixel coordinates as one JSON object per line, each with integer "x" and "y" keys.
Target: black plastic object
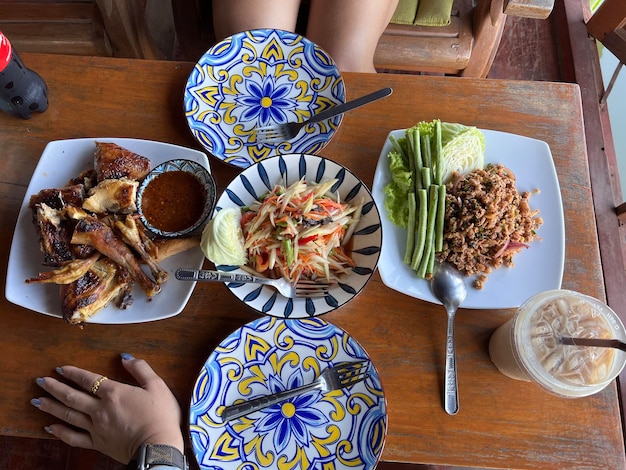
{"x": 22, "y": 91}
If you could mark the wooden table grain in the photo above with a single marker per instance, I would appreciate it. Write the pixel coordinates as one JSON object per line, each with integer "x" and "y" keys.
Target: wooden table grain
{"x": 501, "y": 423}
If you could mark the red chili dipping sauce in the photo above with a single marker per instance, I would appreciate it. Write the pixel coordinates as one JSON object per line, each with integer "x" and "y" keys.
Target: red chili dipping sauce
{"x": 173, "y": 201}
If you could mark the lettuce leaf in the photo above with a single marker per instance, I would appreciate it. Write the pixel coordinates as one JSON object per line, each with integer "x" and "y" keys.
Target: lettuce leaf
{"x": 463, "y": 149}
{"x": 396, "y": 191}
{"x": 222, "y": 239}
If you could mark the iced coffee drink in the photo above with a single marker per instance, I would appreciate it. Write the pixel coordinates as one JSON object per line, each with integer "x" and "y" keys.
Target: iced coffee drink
{"x": 528, "y": 346}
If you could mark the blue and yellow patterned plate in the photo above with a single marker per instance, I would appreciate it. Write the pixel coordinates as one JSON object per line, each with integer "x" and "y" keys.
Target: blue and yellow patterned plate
{"x": 259, "y": 179}
{"x": 261, "y": 78}
{"x": 343, "y": 429}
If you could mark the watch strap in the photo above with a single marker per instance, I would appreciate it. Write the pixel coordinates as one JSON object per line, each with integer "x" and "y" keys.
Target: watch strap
{"x": 150, "y": 455}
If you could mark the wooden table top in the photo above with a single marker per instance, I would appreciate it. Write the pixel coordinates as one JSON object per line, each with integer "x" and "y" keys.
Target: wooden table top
{"x": 502, "y": 422}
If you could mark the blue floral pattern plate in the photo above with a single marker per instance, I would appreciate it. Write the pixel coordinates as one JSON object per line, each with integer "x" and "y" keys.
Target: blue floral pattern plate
{"x": 261, "y": 78}
{"x": 254, "y": 182}
{"x": 343, "y": 429}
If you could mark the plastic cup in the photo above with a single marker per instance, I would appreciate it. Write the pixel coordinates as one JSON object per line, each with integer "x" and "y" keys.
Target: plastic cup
{"x": 528, "y": 347}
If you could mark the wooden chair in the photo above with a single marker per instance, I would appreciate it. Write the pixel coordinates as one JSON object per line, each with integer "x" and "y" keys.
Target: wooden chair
{"x": 608, "y": 25}
{"x": 466, "y": 47}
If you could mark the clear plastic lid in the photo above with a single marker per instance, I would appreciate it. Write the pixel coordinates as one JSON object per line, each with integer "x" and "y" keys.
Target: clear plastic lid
{"x": 567, "y": 370}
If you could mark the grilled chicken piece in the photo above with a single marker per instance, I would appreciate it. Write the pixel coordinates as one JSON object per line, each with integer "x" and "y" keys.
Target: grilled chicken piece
{"x": 54, "y": 234}
{"x": 102, "y": 283}
{"x": 93, "y": 232}
{"x": 50, "y": 208}
{"x": 130, "y": 234}
{"x": 112, "y": 195}
{"x": 54, "y": 228}
{"x": 112, "y": 161}
{"x": 75, "y": 213}
{"x": 58, "y": 198}
{"x": 66, "y": 274}
{"x": 87, "y": 178}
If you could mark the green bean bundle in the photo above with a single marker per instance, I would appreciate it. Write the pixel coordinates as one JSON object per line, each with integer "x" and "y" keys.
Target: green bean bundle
{"x": 421, "y": 162}
{"x": 426, "y": 195}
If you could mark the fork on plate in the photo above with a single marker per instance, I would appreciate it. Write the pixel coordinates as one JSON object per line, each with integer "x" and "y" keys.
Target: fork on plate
{"x": 342, "y": 375}
{"x": 302, "y": 288}
{"x": 287, "y": 131}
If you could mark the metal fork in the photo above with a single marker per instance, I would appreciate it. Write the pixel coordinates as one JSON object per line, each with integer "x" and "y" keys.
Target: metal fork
{"x": 287, "y": 131}
{"x": 344, "y": 374}
{"x": 302, "y": 288}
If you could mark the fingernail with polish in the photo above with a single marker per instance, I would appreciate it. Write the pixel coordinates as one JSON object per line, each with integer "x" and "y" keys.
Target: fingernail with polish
{"x": 127, "y": 356}
{"x": 48, "y": 429}
{"x": 59, "y": 370}
{"x": 39, "y": 381}
{"x": 36, "y": 402}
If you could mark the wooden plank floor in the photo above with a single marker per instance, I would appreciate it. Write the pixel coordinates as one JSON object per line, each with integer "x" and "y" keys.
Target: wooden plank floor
{"x": 527, "y": 52}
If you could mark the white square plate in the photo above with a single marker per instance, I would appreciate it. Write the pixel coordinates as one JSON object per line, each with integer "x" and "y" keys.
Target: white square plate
{"x": 61, "y": 161}
{"x": 538, "y": 268}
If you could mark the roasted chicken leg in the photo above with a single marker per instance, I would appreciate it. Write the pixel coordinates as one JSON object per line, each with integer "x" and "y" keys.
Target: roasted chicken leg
{"x": 93, "y": 232}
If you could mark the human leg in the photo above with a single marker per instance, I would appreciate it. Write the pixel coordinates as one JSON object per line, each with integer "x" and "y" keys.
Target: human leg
{"x": 349, "y": 30}
{"x": 234, "y": 16}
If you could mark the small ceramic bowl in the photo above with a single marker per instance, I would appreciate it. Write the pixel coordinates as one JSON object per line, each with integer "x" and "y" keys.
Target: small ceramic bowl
{"x": 176, "y": 198}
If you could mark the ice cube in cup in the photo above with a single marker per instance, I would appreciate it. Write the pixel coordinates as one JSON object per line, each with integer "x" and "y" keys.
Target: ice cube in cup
{"x": 528, "y": 347}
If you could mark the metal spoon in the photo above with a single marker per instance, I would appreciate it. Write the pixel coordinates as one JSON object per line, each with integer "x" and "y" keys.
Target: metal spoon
{"x": 448, "y": 285}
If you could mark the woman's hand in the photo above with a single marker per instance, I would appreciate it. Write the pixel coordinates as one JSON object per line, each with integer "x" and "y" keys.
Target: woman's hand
{"x": 118, "y": 418}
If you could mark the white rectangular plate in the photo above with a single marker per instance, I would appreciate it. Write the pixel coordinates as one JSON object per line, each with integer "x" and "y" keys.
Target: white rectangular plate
{"x": 538, "y": 268}
{"x": 65, "y": 159}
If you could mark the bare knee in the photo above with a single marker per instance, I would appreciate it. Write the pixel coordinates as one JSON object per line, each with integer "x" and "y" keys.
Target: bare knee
{"x": 234, "y": 16}
{"x": 349, "y": 30}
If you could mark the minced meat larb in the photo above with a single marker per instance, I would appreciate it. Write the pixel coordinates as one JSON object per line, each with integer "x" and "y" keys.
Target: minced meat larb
{"x": 487, "y": 221}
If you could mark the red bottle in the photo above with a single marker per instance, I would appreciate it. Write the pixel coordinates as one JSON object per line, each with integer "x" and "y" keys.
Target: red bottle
{"x": 22, "y": 91}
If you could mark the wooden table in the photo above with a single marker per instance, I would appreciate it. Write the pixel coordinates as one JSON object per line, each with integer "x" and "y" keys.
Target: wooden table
{"x": 502, "y": 423}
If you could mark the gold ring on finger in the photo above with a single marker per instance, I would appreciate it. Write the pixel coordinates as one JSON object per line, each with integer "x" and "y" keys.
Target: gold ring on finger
{"x": 97, "y": 383}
